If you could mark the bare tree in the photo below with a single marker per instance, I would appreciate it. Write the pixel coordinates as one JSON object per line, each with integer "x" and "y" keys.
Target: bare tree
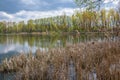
{"x": 119, "y": 6}
{"x": 89, "y": 4}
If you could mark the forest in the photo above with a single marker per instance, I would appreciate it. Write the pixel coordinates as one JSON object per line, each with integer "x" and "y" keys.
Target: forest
{"x": 81, "y": 21}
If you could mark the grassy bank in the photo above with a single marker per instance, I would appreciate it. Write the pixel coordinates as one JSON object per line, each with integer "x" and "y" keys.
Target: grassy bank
{"x": 84, "y": 61}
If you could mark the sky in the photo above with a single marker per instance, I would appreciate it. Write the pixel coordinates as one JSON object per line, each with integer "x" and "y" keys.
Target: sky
{"x": 18, "y": 10}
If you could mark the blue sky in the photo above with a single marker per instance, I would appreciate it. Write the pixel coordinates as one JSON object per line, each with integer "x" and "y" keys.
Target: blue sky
{"x": 17, "y": 10}
{"x": 13, "y": 6}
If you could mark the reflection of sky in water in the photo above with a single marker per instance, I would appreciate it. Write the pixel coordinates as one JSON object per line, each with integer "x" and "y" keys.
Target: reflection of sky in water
{"x": 6, "y": 48}
{"x": 26, "y": 44}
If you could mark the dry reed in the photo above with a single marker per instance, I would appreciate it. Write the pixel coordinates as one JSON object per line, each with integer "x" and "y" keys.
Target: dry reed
{"x": 83, "y": 61}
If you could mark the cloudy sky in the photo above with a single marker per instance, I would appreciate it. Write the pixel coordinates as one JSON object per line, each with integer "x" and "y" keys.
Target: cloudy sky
{"x": 17, "y": 10}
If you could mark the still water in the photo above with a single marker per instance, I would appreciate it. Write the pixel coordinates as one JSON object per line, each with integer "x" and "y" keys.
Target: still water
{"x": 14, "y": 44}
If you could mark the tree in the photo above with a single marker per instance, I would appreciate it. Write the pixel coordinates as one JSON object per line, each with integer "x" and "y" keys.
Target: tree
{"x": 103, "y": 17}
{"x": 31, "y": 26}
{"x": 20, "y": 27}
{"x": 89, "y": 4}
{"x": 2, "y": 27}
{"x": 119, "y": 7}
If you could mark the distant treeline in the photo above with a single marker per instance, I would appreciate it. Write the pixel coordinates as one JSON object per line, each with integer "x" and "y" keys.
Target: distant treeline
{"x": 80, "y": 21}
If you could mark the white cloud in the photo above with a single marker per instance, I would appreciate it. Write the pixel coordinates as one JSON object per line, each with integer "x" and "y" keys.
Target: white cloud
{"x": 4, "y": 14}
{"x": 26, "y": 15}
{"x": 108, "y": 4}
{"x": 113, "y": 1}
{"x": 106, "y": 1}
{"x": 116, "y": 2}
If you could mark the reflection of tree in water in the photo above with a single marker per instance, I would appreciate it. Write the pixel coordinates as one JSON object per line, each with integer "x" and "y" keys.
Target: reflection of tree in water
{"x": 48, "y": 41}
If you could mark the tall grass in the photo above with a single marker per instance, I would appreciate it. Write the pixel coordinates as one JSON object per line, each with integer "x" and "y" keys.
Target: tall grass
{"x": 83, "y": 61}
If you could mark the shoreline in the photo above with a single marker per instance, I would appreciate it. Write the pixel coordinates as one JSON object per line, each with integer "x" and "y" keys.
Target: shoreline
{"x": 57, "y": 33}
{"x": 89, "y": 58}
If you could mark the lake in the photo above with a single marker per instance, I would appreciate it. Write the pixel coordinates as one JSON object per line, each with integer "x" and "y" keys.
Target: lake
{"x": 14, "y": 44}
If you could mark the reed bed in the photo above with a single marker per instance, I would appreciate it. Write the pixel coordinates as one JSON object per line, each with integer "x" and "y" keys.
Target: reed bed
{"x": 83, "y": 61}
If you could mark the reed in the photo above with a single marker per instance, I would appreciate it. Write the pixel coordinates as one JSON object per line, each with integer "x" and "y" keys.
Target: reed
{"x": 83, "y": 61}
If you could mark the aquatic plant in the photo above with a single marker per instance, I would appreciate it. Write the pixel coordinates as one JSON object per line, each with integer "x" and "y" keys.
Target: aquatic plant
{"x": 83, "y": 61}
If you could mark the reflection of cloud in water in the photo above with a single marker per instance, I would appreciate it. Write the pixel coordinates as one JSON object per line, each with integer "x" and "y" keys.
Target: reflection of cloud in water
{"x": 4, "y": 49}
{"x": 11, "y": 47}
{"x": 8, "y": 48}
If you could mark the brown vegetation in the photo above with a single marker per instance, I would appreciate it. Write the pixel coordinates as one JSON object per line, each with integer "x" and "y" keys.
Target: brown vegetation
{"x": 84, "y": 61}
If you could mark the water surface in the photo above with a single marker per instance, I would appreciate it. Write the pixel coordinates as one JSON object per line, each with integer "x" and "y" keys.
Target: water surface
{"x": 14, "y": 44}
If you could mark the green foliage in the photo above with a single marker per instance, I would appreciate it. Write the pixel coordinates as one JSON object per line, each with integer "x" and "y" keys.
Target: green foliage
{"x": 31, "y": 26}
{"x": 81, "y": 21}
{"x": 2, "y": 27}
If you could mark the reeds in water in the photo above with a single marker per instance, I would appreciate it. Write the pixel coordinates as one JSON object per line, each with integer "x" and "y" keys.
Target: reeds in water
{"x": 84, "y": 61}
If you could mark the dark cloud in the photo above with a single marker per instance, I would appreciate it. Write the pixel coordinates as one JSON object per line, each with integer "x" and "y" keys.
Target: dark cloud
{"x": 13, "y": 6}
{"x": 17, "y": 10}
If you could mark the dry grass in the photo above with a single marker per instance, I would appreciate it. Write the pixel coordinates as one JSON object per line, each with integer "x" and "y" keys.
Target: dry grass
{"x": 84, "y": 61}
